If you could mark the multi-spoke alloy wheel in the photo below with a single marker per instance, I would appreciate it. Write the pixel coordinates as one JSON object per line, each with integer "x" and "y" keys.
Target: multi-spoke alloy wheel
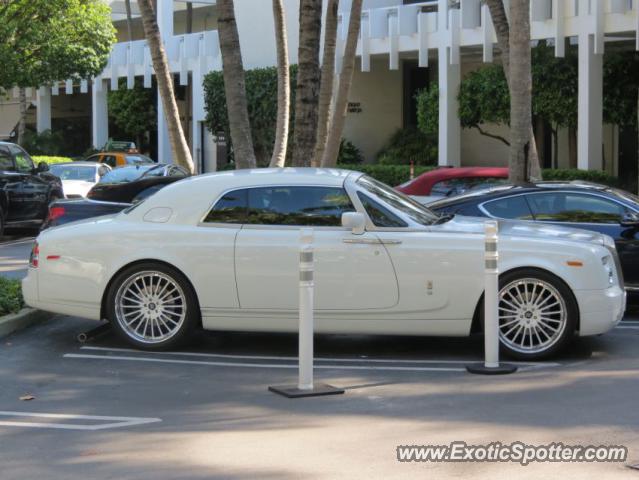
{"x": 533, "y": 316}
{"x": 152, "y": 306}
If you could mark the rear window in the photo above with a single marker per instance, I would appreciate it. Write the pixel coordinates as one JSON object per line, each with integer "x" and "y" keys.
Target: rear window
{"x": 125, "y": 174}
{"x": 137, "y": 159}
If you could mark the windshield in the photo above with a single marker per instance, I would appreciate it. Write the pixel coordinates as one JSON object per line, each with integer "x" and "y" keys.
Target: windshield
{"x": 126, "y": 174}
{"x": 138, "y": 159}
{"x": 409, "y": 207}
{"x": 74, "y": 172}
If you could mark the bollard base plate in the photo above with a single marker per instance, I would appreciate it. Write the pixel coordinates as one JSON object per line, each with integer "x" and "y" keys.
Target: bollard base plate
{"x": 481, "y": 369}
{"x": 319, "y": 389}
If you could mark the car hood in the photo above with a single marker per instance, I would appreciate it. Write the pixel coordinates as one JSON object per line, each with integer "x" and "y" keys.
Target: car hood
{"x": 515, "y": 228}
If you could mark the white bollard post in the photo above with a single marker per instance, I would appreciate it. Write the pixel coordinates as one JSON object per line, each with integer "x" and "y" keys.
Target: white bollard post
{"x": 306, "y": 288}
{"x": 491, "y": 364}
{"x": 306, "y": 387}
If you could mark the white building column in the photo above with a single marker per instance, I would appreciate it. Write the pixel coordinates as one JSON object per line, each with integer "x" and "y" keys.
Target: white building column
{"x": 43, "y": 110}
{"x": 449, "y": 80}
{"x": 99, "y": 113}
{"x": 165, "y": 23}
{"x": 590, "y": 103}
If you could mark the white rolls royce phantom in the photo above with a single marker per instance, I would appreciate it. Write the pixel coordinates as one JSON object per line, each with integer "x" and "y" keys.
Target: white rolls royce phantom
{"x": 220, "y": 252}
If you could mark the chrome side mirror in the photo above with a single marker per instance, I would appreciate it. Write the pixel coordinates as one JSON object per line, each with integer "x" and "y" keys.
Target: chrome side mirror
{"x": 354, "y": 221}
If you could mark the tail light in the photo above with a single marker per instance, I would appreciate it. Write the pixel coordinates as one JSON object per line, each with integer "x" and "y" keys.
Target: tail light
{"x": 55, "y": 213}
{"x": 35, "y": 256}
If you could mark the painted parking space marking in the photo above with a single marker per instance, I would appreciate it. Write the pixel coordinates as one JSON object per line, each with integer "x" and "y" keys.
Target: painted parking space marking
{"x": 279, "y": 362}
{"x": 17, "y": 242}
{"x": 63, "y": 421}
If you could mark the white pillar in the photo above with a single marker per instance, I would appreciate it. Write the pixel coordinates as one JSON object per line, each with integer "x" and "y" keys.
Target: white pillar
{"x": 590, "y": 118}
{"x": 43, "y": 112}
{"x": 165, "y": 18}
{"x": 449, "y": 79}
{"x": 99, "y": 113}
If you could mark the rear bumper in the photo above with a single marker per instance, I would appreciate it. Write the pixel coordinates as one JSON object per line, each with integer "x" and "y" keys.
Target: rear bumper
{"x": 600, "y": 310}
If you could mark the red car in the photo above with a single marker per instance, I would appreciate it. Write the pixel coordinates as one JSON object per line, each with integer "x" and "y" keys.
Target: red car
{"x": 446, "y": 182}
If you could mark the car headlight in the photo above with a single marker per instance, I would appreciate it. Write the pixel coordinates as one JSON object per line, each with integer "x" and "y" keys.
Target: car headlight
{"x": 609, "y": 268}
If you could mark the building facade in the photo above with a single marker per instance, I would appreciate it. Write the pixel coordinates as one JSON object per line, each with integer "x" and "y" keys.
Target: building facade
{"x": 404, "y": 45}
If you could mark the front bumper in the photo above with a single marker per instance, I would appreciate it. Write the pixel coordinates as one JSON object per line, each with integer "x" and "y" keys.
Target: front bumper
{"x": 600, "y": 310}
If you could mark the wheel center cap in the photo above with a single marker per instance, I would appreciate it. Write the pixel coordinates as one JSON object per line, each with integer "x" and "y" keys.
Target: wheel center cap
{"x": 151, "y": 306}
{"x": 528, "y": 314}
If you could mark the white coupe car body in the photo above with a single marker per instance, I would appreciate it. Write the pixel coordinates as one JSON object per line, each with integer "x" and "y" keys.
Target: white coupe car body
{"x": 79, "y": 177}
{"x": 420, "y": 278}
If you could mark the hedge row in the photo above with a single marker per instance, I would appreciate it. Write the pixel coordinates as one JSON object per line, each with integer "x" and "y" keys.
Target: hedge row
{"x": 10, "y": 296}
{"x": 397, "y": 174}
{"x": 50, "y": 159}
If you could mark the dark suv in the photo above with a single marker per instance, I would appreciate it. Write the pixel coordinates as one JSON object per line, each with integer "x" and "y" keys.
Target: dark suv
{"x": 25, "y": 190}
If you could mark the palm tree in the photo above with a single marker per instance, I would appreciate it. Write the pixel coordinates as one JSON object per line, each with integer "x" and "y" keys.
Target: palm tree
{"x": 520, "y": 90}
{"x": 308, "y": 83}
{"x": 22, "y": 123}
{"x": 328, "y": 77}
{"x": 179, "y": 145}
{"x": 234, "y": 86}
{"x": 127, "y": 6}
{"x": 329, "y": 159}
{"x": 502, "y": 29}
{"x": 278, "y": 158}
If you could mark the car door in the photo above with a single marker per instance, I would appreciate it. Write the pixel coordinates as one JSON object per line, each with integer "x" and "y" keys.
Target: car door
{"x": 591, "y": 212}
{"x": 34, "y": 191}
{"x": 350, "y": 273}
{"x": 10, "y": 185}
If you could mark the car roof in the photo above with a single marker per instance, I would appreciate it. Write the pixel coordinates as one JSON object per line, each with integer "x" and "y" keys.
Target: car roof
{"x": 422, "y": 184}
{"x": 191, "y": 195}
{"x": 509, "y": 189}
{"x": 80, "y": 163}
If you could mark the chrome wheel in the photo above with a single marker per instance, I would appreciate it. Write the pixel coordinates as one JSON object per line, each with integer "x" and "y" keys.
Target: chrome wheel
{"x": 532, "y": 315}
{"x": 150, "y": 307}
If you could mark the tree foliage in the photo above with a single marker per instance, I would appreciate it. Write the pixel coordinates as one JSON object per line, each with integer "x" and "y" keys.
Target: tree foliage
{"x": 261, "y": 93}
{"x": 484, "y": 97}
{"x": 134, "y": 110}
{"x": 42, "y": 41}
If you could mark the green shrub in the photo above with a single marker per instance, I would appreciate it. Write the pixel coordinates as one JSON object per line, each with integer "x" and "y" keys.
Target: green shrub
{"x": 568, "y": 174}
{"x": 409, "y": 145}
{"x": 392, "y": 175}
{"x": 11, "y": 300}
{"x": 349, "y": 154}
{"x": 50, "y": 160}
{"x": 261, "y": 97}
{"x": 45, "y": 143}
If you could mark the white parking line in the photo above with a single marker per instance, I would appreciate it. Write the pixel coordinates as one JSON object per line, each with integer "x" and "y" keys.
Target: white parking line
{"x": 262, "y": 365}
{"x": 317, "y": 359}
{"x": 112, "y": 422}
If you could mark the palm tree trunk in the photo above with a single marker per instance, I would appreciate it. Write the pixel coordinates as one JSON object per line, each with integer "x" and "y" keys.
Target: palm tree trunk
{"x": 520, "y": 91}
{"x": 179, "y": 145}
{"x": 329, "y": 159}
{"x": 234, "y": 86}
{"x": 278, "y": 159}
{"x": 22, "y": 123}
{"x": 127, "y": 5}
{"x": 328, "y": 78}
{"x": 502, "y": 30}
{"x": 308, "y": 83}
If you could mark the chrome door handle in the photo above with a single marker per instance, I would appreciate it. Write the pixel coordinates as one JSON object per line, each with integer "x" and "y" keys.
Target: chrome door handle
{"x": 371, "y": 241}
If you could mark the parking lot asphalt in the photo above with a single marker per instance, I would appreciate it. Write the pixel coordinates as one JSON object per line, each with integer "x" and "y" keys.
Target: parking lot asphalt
{"x": 100, "y": 410}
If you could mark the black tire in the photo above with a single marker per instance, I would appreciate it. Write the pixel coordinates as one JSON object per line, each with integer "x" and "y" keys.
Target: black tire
{"x": 182, "y": 334}
{"x": 566, "y": 329}
{"x": 1, "y": 222}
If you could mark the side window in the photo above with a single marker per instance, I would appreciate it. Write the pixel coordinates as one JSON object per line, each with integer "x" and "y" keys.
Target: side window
{"x": 575, "y": 208}
{"x": 319, "y": 206}
{"x": 513, "y": 208}
{"x": 110, "y": 161}
{"x": 24, "y": 163}
{"x": 231, "y": 208}
{"x": 176, "y": 172}
{"x": 6, "y": 162}
{"x": 380, "y": 215}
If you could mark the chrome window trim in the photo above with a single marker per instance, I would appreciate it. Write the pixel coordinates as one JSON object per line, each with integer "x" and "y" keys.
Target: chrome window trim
{"x": 483, "y": 209}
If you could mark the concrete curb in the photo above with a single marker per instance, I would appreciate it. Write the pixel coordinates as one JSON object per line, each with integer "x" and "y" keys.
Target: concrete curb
{"x": 23, "y": 319}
